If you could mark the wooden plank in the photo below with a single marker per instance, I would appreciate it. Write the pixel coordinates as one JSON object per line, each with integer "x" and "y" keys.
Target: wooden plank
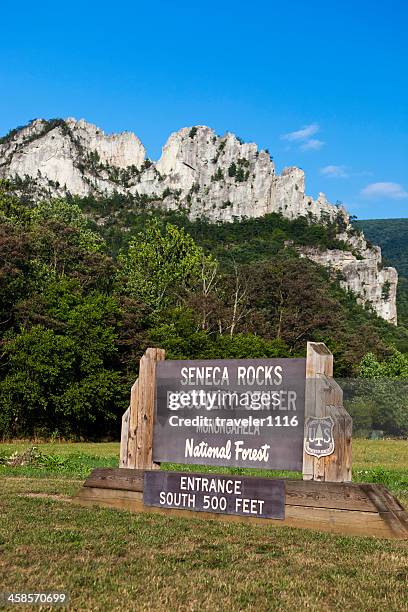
{"x": 394, "y": 513}
{"x": 124, "y": 439}
{"x": 393, "y": 504}
{"x": 133, "y": 425}
{"x": 319, "y": 360}
{"x": 345, "y": 522}
{"x": 147, "y": 389}
{"x": 342, "y": 496}
{"x": 337, "y": 466}
{"x": 116, "y": 478}
{"x": 116, "y": 472}
{"x": 118, "y": 498}
{"x": 142, "y": 398}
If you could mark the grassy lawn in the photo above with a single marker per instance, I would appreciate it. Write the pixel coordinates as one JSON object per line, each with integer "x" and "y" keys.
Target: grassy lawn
{"x": 115, "y": 560}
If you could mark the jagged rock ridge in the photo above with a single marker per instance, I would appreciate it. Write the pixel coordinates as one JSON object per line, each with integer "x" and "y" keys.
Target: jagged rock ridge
{"x": 218, "y": 177}
{"x": 363, "y": 274}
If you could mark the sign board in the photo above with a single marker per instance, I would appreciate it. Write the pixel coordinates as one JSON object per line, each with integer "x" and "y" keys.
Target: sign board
{"x": 244, "y": 496}
{"x": 234, "y": 413}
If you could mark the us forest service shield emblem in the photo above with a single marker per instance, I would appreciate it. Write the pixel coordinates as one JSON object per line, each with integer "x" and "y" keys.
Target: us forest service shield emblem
{"x": 319, "y": 440}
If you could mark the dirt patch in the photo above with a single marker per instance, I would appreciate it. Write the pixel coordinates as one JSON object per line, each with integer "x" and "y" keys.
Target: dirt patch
{"x": 56, "y": 496}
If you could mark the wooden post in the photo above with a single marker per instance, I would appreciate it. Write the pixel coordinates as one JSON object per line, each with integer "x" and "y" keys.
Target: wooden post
{"x": 137, "y": 453}
{"x": 324, "y": 398}
{"x": 124, "y": 439}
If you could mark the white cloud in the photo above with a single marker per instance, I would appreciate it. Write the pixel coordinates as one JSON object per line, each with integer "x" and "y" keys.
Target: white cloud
{"x": 302, "y": 134}
{"x": 334, "y": 171}
{"x": 312, "y": 145}
{"x": 393, "y": 191}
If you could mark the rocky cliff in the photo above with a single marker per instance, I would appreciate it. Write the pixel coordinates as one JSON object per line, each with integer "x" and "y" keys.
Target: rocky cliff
{"x": 363, "y": 274}
{"x": 61, "y": 156}
{"x": 218, "y": 177}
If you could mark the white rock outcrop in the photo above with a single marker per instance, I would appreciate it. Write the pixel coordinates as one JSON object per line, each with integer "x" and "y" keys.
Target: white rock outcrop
{"x": 221, "y": 178}
{"x": 68, "y": 156}
{"x": 217, "y": 177}
{"x": 372, "y": 284}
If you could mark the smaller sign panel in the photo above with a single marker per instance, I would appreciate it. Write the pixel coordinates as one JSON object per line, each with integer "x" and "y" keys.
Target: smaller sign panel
{"x": 319, "y": 439}
{"x": 222, "y": 494}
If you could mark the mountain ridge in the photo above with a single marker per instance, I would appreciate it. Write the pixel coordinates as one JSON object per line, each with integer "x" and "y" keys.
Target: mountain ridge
{"x": 80, "y": 158}
{"x": 220, "y": 178}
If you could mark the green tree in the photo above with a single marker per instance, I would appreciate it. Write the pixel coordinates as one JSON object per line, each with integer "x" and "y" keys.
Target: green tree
{"x": 62, "y": 375}
{"x": 240, "y": 174}
{"x": 232, "y": 170}
{"x": 394, "y": 367}
{"x": 384, "y": 388}
{"x": 161, "y": 264}
{"x": 61, "y": 212}
{"x": 247, "y": 346}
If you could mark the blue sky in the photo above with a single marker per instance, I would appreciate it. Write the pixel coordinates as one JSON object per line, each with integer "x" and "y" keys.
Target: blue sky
{"x": 322, "y": 84}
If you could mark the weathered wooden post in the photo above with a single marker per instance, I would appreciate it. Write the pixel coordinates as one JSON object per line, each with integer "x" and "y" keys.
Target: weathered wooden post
{"x": 324, "y": 400}
{"x": 137, "y": 422}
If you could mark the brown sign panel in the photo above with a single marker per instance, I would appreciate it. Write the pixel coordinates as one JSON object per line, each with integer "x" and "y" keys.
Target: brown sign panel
{"x": 242, "y": 495}
{"x": 236, "y": 413}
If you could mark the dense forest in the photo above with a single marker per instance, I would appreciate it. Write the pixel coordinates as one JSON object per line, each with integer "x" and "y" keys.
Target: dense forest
{"x": 87, "y": 285}
{"x": 392, "y": 236}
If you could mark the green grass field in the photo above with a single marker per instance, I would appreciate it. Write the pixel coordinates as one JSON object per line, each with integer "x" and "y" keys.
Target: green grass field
{"x": 115, "y": 560}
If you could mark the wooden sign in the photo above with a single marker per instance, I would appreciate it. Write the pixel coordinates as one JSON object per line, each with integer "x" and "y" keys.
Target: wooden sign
{"x": 240, "y": 495}
{"x": 238, "y": 413}
{"x": 245, "y": 413}
{"x": 268, "y": 413}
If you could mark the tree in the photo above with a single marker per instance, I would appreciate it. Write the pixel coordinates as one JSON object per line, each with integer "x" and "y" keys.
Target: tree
{"x": 232, "y": 169}
{"x": 246, "y": 346}
{"x": 160, "y": 265}
{"x": 240, "y": 308}
{"x": 240, "y": 174}
{"x": 15, "y": 271}
{"x": 219, "y": 175}
{"x": 59, "y": 212}
{"x": 11, "y": 208}
{"x": 383, "y": 387}
{"x": 62, "y": 375}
